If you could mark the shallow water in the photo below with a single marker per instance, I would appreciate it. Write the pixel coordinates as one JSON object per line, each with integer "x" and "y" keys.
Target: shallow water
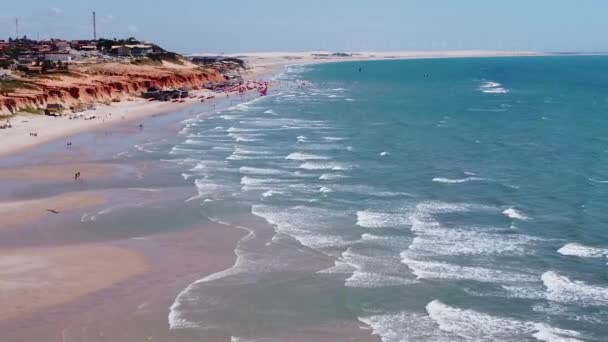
{"x": 433, "y": 200}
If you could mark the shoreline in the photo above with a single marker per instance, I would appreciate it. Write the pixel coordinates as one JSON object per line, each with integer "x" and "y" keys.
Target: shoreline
{"x": 153, "y": 249}
{"x": 262, "y": 65}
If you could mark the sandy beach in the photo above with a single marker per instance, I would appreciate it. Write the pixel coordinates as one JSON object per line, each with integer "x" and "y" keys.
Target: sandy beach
{"x": 17, "y": 213}
{"x": 111, "y": 282}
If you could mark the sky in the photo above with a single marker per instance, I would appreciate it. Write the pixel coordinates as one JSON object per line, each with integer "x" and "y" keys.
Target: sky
{"x": 231, "y": 26}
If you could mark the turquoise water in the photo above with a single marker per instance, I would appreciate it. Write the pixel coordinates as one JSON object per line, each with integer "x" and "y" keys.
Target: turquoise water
{"x": 427, "y": 200}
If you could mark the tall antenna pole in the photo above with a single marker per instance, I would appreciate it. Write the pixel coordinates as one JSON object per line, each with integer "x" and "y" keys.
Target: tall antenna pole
{"x": 17, "y": 27}
{"x": 94, "y": 27}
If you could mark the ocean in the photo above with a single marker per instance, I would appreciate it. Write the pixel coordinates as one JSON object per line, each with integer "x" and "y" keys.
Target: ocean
{"x": 419, "y": 200}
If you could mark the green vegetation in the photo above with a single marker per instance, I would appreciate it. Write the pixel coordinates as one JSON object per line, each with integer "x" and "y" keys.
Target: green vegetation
{"x": 32, "y": 110}
{"x": 9, "y": 86}
{"x": 171, "y": 57}
{"x": 103, "y": 43}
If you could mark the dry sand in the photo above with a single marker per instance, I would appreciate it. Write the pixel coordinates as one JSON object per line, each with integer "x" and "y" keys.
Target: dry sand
{"x": 15, "y": 213}
{"x": 52, "y": 128}
{"x": 32, "y": 279}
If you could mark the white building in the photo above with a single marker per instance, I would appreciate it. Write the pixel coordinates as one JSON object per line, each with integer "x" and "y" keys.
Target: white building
{"x": 63, "y": 57}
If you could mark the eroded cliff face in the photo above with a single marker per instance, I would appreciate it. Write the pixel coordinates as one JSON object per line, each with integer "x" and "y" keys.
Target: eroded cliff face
{"x": 98, "y": 83}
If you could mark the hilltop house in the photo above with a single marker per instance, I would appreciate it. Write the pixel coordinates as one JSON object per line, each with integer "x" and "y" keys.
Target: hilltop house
{"x": 138, "y": 50}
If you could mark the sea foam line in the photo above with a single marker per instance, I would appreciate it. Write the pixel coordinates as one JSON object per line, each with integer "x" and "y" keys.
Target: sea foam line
{"x": 176, "y": 316}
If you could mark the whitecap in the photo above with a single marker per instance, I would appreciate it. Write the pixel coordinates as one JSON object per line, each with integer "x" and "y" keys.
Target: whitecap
{"x": 493, "y": 88}
{"x": 325, "y": 190}
{"x": 334, "y": 138}
{"x": 332, "y": 176}
{"x": 456, "y": 181}
{"x": 305, "y": 156}
{"x": 326, "y": 166}
{"x": 575, "y": 249}
{"x": 471, "y": 325}
{"x": 442, "y": 270}
{"x": 378, "y": 219}
{"x": 260, "y": 171}
{"x": 561, "y": 289}
{"x": 515, "y": 214}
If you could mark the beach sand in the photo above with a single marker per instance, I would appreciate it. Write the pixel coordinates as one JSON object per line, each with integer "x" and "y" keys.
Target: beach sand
{"x": 117, "y": 288}
{"x": 37, "y": 278}
{"x": 63, "y": 171}
{"x": 15, "y": 213}
{"x": 147, "y": 274}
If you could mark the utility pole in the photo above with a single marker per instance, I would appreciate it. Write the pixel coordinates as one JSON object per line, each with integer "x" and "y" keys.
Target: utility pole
{"x": 94, "y": 27}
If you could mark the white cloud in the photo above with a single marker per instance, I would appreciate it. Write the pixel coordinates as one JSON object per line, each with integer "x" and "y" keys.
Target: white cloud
{"x": 55, "y": 11}
{"x": 132, "y": 28}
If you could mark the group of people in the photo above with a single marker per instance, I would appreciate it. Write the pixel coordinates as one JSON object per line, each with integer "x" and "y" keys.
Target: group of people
{"x": 33, "y": 134}
{"x": 77, "y": 175}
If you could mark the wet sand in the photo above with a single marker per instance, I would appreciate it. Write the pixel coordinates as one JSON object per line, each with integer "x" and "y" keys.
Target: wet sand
{"x": 38, "y": 278}
{"x": 61, "y": 171}
{"x": 59, "y": 282}
{"x": 135, "y": 309}
{"x": 95, "y": 282}
{"x": 15, "y": 213}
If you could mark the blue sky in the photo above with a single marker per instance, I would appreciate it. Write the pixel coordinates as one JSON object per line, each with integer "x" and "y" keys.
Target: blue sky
{"x": 189, "y": 26}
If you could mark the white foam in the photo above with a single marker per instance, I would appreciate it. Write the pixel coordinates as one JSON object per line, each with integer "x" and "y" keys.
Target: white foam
{"x": 378, "y": 219}
{"x": 575, "y": 249}
{"x": 442, "y": 270}
{"x": 470, "y": 325}
{"x": 449, "y": 324}
{"x": 340, "y": 267}
{"x": 456, "y": 181}
{"x": 561, "y": 289}
{"x": 326, "y": 166}
{"x": 493, "y": 88}
{"x": 302, "y": 139}
{"x": 253, "y": 183}
{"x": 176, "y": 316}
{"x": 261, "y": 171}
{"x": 548, "y": 333}
{"x": 405, "y": 327}
{"x": 305, "y": 156}
{"x": 205, "y": 189}
{"x": 296, "y": 222}
{"x": 385, "y": 154}
{"x": 332, "y": 176}
{"x": 515, "y": 214}
{"x": 598, "y": 181}
{"x": 325, "y": 190}
{"x": 448, "y": 242}
{"x": 271, "y": 193}
{"x": 334, "y": 138}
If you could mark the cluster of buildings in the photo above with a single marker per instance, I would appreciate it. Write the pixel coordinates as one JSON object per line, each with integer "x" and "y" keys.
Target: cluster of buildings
{"x": 32, "y": 54}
